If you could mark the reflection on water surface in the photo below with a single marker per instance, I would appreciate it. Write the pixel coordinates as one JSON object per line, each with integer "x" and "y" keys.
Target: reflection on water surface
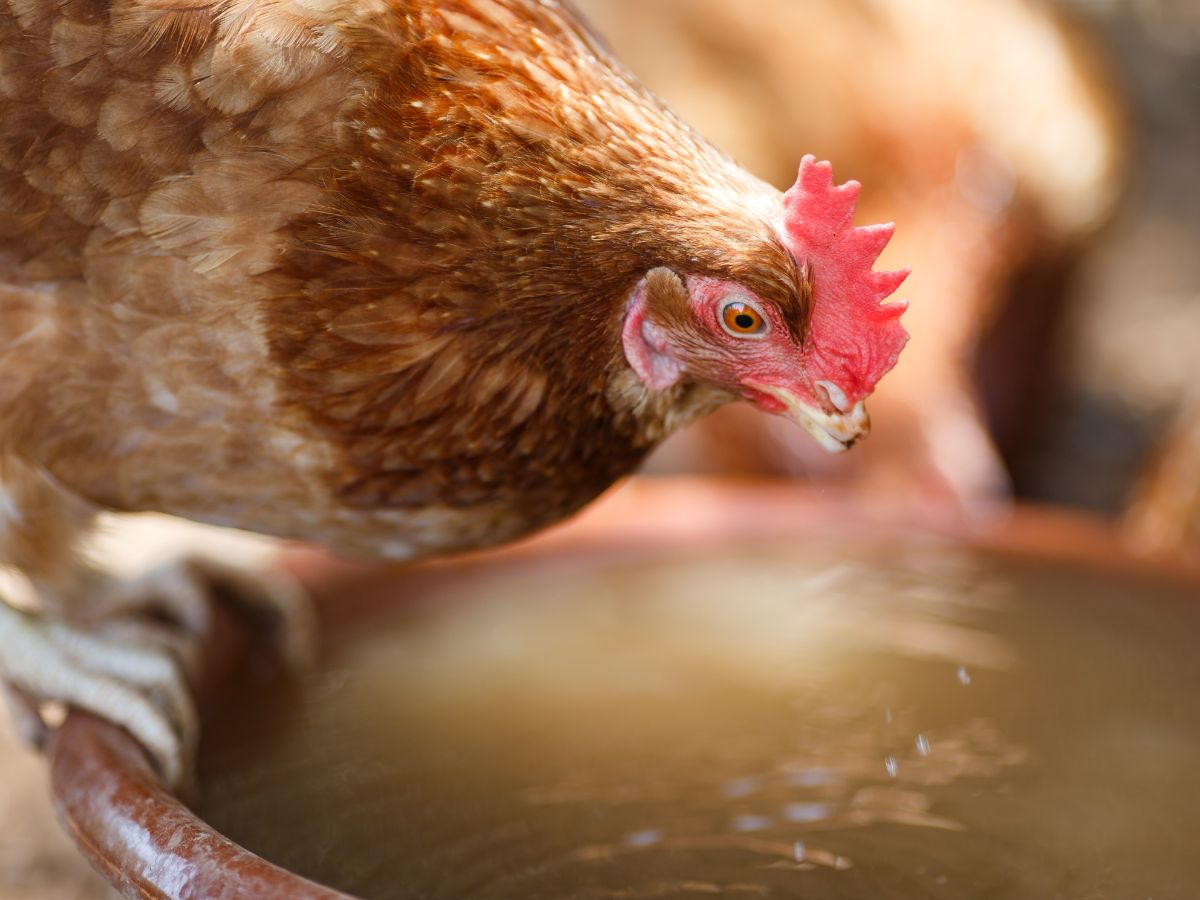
{"x": 766, "y": 722}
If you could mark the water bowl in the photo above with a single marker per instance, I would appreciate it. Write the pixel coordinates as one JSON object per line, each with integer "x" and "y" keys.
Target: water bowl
{"x": 697, "y": 691}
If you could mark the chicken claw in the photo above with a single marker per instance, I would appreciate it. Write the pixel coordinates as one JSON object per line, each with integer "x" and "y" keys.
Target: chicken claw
{"x": 141, "y": 688}
{"x": 129, "y": 661}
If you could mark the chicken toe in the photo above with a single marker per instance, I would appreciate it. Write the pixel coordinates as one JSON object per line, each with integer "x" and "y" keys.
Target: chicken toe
{"x": 138, "y": 686}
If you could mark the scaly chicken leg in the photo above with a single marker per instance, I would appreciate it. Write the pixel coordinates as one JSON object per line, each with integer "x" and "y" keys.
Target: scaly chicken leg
{"x": 43, "y": 657}
{"x": 140, "y": 687}
{"x": 128, "y": 661}
{"x": 133, "y": 671}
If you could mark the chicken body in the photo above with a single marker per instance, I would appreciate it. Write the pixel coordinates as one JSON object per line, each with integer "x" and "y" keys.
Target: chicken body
{"x": 396, "y": 277}
{"x": 349, "y": 272}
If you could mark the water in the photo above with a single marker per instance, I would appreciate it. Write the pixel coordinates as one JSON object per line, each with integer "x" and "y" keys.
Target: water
{"x": 911, "y": 722}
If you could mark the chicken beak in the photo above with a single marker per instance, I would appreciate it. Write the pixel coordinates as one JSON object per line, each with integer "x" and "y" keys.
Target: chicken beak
{"x": 837, "y": 432}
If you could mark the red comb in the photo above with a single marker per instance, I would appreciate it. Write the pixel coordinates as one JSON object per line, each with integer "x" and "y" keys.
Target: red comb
{"x": 854, "y": 338}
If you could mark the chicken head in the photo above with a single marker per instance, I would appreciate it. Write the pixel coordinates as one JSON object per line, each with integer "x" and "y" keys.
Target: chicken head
{"x": 815, "y": 368}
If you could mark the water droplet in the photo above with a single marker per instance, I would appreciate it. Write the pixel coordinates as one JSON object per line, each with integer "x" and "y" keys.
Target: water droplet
{"x": 798, "y": 851}
{"x": 813, "y": 777}
{"x": 922, "y": 743}
{"x": 806, "y": 812}
{"x": 741, "y": 787}
{"x": 644, "y": 838}
{"x": 752, "y": 823}
{"x": 964, "y": 677}
{"x": 892, "y": 765}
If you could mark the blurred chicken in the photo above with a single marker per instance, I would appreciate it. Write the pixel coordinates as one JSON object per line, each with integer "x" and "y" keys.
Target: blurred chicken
{"x": 400, "y": 277}
{"x": 988, "y": 128}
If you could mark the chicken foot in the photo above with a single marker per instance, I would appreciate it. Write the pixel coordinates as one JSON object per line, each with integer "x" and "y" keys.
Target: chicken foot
{"x": 139, "y": 687}
{"x": 128, "y": 661}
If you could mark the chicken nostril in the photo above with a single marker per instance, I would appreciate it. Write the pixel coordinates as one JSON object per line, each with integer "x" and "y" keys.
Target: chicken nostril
{"x": 834, "y": 396}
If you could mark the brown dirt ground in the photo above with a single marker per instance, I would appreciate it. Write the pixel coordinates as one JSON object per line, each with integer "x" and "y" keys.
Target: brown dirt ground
{"x": 37, "y": 861}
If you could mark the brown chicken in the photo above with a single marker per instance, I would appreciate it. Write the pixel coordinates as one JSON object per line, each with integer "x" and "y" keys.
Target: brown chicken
{"x": 398, "y": 277}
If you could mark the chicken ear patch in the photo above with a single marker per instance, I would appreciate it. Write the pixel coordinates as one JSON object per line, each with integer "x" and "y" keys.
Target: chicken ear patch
{"x": 647, "y": 349}
{"x": 854, "y": 338}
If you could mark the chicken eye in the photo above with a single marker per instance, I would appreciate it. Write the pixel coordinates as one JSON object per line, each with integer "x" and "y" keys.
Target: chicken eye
{"x": 742, "y": 320}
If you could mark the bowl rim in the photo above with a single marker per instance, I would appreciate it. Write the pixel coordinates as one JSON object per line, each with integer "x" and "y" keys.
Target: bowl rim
{"x": 147, "y": 843}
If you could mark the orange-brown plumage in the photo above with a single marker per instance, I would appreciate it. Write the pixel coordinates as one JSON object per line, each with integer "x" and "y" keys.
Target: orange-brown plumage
{"x": 355, "y": 271}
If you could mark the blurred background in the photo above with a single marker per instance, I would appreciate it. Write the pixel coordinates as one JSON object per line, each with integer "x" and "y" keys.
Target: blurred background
{"x": 1041, "y": 162}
